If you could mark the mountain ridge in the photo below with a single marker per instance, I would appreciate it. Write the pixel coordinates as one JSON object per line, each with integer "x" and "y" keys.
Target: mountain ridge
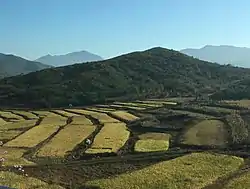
{"x": 69, "y": 58}
{"x": 153, "y": 73}
{"x": 11, "y": 65}
{"x": 222, "y": 54}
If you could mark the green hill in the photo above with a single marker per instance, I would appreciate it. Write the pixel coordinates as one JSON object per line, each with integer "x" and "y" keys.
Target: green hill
{"x": 235, "y": 91}
{"x": 11, "y": 65}
{"x": 156, "y": 72}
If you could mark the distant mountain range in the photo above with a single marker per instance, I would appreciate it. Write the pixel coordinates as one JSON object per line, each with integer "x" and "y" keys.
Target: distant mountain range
{"x": 11, "y": 65}
{"x": 68, "y": 59}
{"x": 154, "y": 73}
{"x": 223, "y": 54}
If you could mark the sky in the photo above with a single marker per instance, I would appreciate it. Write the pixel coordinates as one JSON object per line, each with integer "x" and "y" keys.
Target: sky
{"x": 33, "y": 28}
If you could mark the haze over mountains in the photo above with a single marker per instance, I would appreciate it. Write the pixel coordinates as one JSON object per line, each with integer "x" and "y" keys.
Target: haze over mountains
{"x": 68, "y": 59}
{"x": 153, "y": 73}
{"x": 11, "y": 65}
{"x": 223, "y": 54}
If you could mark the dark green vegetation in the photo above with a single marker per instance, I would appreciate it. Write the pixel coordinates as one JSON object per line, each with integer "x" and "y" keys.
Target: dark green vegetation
{"x": 152, "y": 73}
{"x": 11, "y": 65}
{"x": 235, "y": 91}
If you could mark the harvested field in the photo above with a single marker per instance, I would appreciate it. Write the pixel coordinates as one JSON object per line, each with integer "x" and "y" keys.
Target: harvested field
{"x": 191, "y": 171}
{"x": 34, "y": 136}
{"x": 157, "y": 102}
{"x": 26, "y": 114}
{"x": 2, "y": 122}
{"x": 8, "y": 135}
{"x": 207, "y": 132}
{"x": 240, "y": 103}
{"x": 127, "y": 107}
{"x": 150, "y": 145}
{"x": 241, "y": 182}
{"x": 22, "y": 182}
{"x": 149, "y": 105}
{"x": 102, "y": 117}
{"x": 67, "y": 114}
{"x": 14, "y": 157}
{"x": 56, "y": 120}
{"x": 125, "y": 115}
{"x": 11, "y": 116}
{"x": 155, "y": 136}
{"x": 18, "y": 125}
{"x": 112, "y": 136}
{"x": 66, "y": 140}
{"x": 81, "y": 120}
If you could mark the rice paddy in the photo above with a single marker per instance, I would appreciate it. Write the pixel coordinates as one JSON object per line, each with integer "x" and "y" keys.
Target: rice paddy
{"x": 112, "y": 136}
{"x": 122, "y": 152}
{"x": 11, "y": 116}
{"x": 207, "y": 132}
{"x": 125, "y": 115}
{"x": 66, "y": 140}
{"x": 23, "y": 182}
{"x": 34, "y": 136}
{"x": 191, "y": 171}
{"x": 18, "y": 125}
{"x": 150, "y": 145}
{"x": 81, "y": 120}
{"x": 14, "y": 156}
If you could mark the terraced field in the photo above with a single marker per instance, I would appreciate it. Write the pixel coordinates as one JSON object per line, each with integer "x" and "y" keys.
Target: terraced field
{"x": 142, "y": 144}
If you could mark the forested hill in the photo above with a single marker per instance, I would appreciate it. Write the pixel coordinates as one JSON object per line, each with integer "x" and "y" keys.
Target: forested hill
{"x": 156, "y": 72}
{"x": 235, "y": 91}
{"x": 11, "y": 65}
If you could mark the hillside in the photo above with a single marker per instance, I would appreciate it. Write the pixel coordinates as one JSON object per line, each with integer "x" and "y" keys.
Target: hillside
{"x": 68, "y": 59}
{"x": 11, "y": 65}
{"x": 236, "y": 91}
{"x": 224, "y": 54}
{"x": 156, "y": 72}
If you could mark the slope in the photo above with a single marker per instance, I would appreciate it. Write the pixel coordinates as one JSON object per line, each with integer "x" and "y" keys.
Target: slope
{"x": 235, "y": 91}
{"x": 11, "y": 65}
{"x": 156, "y": 72}
{"x": 223, "y": 54}
{"x": 68, "y": 59}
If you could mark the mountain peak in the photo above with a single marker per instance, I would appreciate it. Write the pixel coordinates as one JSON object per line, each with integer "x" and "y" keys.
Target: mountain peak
{"x": 69, "y": 58}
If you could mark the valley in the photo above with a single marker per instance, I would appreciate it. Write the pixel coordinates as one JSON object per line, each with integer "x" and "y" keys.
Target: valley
{"x": 193, "y": 143}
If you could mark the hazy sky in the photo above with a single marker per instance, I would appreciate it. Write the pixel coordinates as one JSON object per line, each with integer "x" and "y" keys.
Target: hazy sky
{"x": 32, "y": 28}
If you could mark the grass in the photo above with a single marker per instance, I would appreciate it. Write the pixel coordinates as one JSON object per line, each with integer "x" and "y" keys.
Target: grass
{"x": 56, "y": 120}
{"x": 112, "y": 136}
{"x": 207, "y": 132}
{"x": 191, "y": 171}
{"x": 128, "y": 107}
{"x": 14, "y": 157}
{"x": 155, "y": 136}
{"x": 150, "y": 145}
{"x": 10, "y": 115}
{"x": 81, "y": 120}
{"x": 240, "y": 103}
{"x": 8, "y": 135}
{"x": 26, "y": 113}
{"x": 106, "y": 110}
{"x": 157, "y": 102}
{"x": 241, "y": 182}
{"x": 125, "y": 115}
{"x": 2, "y": 122}
{"x": 18, "y": 181}
{"x": 147, "y": 105}
{"x": 102, "y": 117}
{"x": 33, "y": 136}
{"x": 67, "y": 114}
{"x": 69, "y": 136}
{"x": 18, "y": 125}
{"x": 42, "y": 113}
